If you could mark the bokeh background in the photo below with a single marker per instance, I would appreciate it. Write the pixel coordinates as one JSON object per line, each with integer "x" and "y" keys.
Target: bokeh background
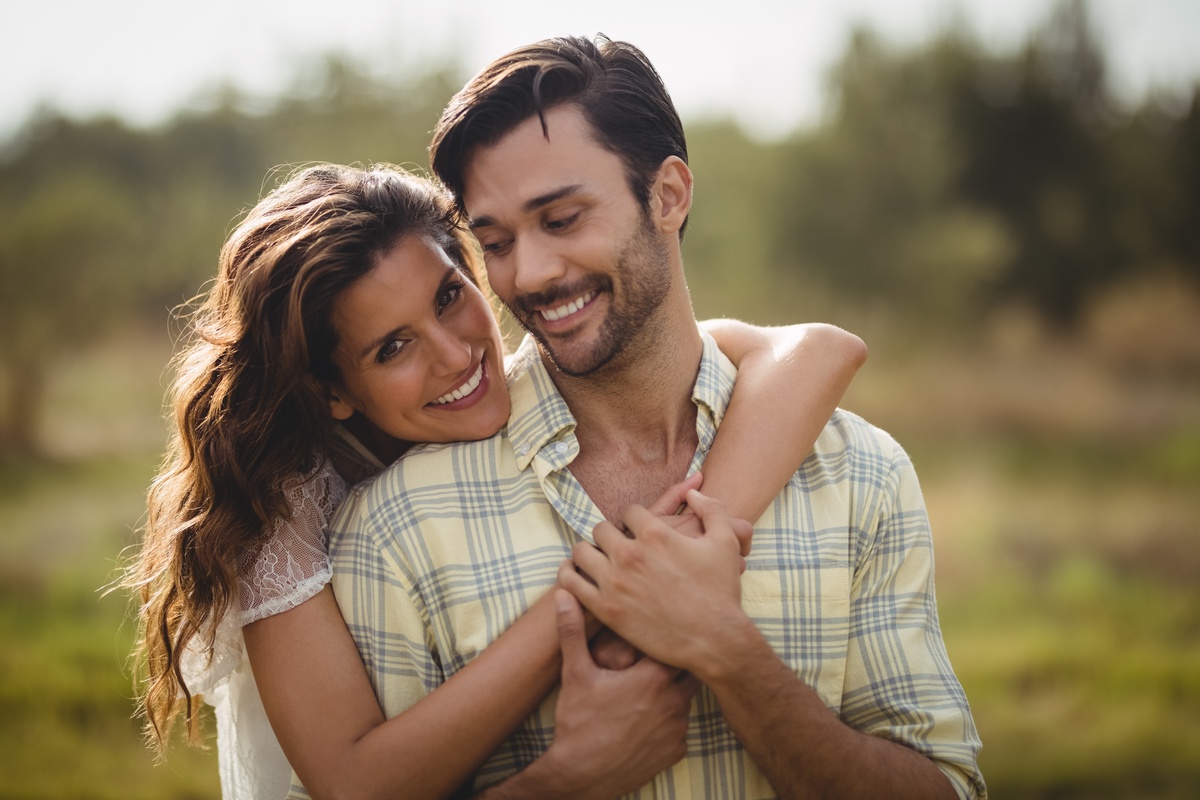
{"x": 1002, "y": 199}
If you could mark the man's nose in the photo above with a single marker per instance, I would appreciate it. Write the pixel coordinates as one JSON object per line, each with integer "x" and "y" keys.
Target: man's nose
{"x": 538, "y": 265}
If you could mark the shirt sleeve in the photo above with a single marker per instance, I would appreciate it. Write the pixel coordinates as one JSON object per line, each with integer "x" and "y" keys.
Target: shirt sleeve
{"x": 293, "y": 564}
{"x": 380, "y": 601}
{"x": 899, "y": 682}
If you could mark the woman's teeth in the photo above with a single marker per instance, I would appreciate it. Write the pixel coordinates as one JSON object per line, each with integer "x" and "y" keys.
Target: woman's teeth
{"x": 458, "y": 394}
{"x": 565, "y": 310}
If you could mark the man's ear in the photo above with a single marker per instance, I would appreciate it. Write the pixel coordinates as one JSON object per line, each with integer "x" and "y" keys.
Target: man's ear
{"x": 339, "y": 408}
{"x": 671, "y": 194}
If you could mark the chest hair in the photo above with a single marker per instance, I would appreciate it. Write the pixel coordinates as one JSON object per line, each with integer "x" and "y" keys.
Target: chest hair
{"x": 614, "y": 482}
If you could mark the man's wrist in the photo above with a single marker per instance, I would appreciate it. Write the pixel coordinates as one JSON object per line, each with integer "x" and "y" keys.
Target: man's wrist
{"x": 722, "y": 654}
{"x": 550, "y": 776}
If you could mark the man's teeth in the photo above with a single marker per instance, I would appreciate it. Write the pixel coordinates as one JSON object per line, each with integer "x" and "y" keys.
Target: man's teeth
{"x": 464, "y": 390}
{"x": 565, "y": 310}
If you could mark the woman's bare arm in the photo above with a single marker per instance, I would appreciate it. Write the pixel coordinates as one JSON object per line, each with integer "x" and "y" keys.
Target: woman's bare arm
{"x": 321, "y": 705}
{"x": 790, "y": 380}
{"x": 317, "y": 693}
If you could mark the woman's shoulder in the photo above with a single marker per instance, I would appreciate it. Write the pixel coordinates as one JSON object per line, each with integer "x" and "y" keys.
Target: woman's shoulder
{"x": 293, "y": 563}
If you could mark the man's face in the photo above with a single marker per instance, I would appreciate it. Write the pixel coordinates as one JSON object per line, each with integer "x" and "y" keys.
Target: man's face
{"x": 568, "y": 248}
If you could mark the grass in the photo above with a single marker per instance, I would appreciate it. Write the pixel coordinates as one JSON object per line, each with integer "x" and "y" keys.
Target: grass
{"x": 1068, "y": 576}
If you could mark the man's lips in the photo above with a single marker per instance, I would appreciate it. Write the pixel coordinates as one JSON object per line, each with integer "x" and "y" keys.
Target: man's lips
{"x": 568, "y": 309}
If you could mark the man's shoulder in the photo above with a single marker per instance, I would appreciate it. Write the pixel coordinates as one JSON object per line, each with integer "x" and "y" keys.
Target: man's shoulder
{"x": 449, "y": 463}
{"x": 847, "y": 435}
{"x": 429, "y": 470}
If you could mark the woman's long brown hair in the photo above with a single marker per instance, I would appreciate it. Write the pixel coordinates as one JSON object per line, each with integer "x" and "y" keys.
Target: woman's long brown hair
{"x": 249, "y": 407}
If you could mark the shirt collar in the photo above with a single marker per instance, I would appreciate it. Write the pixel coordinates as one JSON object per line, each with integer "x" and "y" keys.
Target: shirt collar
{"x": 714, "y": 386}
{"x": 540, "y": 420}
{"x": 539, "y": 414}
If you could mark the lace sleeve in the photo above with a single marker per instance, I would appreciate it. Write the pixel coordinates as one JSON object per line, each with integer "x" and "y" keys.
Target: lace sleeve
{"x": 292, "y": 567}
{"x": 294, "y": 563}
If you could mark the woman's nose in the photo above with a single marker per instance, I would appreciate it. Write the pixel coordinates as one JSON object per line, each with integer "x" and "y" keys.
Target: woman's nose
{"x": 451, "y": 352}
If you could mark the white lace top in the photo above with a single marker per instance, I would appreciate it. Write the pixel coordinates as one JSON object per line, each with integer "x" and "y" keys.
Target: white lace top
{"x": 292, "y": 567}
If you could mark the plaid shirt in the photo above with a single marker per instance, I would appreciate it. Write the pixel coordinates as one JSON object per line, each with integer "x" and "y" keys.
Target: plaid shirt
{"x": 439, "y": 554}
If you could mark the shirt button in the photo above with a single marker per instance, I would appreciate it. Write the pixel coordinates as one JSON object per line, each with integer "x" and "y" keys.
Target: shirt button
{"x": 560, "y": 448}
{"x": 523, "y": 450}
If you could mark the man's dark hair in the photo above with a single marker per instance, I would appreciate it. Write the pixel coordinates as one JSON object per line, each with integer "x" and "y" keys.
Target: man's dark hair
{"x": 613, "y": 83}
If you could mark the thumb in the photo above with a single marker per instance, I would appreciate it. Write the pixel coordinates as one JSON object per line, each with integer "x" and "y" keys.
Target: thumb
{"x": 744, "y": 531}
{"x": 674, "y": 497}
{"x": 572, "y": 633}
{"x": 713, "y": 515}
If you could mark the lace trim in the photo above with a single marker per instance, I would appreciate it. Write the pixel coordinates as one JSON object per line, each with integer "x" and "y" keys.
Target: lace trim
{"x": 304, "y": 590}
{"x": 292, "y": 567}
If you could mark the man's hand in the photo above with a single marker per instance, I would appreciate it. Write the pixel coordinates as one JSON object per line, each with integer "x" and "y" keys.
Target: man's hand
{"x": 667, "y": 593}
{"x": 614, "y": 729}
{"x": 611, "y": 652}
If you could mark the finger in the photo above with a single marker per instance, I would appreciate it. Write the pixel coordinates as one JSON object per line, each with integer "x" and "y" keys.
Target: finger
{"x": 609, "y": 538}
{"x": 640, "y": 521}
{"x": 574, "y": 569}
{"x": 712, "y": 513}
{"x": 609, "y": 651}
{"x": 744, "y": 531}
{"x": 663, "y": 672}
{"x": 572, "y": 635}
{"x": 578, "y": 584}
{"x": 567, "y": 571}
{"x": 686, "y": 523}
{"x": 673, "y": 498}
{"x": 689, "y": 683}
{"x": 591, "y": 561}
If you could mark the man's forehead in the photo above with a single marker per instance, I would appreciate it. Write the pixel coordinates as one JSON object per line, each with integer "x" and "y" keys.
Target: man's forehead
{"x": 529, "y": 167}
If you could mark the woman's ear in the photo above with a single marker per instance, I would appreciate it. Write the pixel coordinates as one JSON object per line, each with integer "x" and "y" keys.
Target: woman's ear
{"x": 339, "y": 408}
{"x": 671, "y": 194}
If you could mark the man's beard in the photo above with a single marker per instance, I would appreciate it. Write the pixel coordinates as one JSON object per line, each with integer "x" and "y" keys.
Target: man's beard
{"x": 645, "y": 280}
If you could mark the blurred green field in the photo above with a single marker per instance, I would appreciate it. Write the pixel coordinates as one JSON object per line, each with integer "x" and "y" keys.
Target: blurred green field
{"x": 1063, "y": 497}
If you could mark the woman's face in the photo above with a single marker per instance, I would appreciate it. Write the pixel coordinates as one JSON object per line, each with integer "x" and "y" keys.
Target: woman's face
{"x": 419, "y": 350}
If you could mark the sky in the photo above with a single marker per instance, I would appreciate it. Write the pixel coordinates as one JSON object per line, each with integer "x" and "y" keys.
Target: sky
{"x": 144, "y": 60}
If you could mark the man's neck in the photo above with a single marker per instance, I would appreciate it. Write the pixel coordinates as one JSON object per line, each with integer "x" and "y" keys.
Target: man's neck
{"x": 636, "y": 422}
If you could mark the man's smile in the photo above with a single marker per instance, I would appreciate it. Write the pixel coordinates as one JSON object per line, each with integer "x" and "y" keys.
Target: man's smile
{"x": 567, "y": 309}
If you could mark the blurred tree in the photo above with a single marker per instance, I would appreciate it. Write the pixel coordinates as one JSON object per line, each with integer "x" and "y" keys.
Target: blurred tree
{"x": 867, "y": 203}
{"x": 940, "y": 178}
{"x": 62, "y": 263}
{"x": 1183, "y": 225}
{"x": 727, "y": 246}
{"x": 1034, "y": 133}
{"x": 100, "y": 219}
{"x": 337, "y": 111}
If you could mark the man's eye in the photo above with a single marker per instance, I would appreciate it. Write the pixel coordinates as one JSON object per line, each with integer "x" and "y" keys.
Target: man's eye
{"x": 561, "y": 223}
{"x": 494, "y": 248}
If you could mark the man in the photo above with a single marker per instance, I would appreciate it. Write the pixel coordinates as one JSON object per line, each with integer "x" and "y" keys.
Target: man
{"x": 823, "y": 667}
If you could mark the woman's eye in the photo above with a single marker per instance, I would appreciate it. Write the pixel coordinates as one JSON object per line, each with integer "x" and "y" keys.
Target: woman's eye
{"x": 391, "y": 349}
{"x": 449, "y": 295}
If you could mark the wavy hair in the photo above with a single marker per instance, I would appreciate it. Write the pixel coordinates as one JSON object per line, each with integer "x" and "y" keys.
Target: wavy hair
{"x": 249, "y": 406}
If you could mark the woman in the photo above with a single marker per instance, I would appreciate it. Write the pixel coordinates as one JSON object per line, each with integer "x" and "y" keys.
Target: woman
{"x": 338, "y": 274}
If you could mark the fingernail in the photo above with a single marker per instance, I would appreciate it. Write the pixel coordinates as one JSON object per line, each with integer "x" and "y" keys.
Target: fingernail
{"x": 561, "y": 601}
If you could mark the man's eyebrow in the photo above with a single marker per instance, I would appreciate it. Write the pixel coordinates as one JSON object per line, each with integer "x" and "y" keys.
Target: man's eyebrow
{"x": 533, "y": 204}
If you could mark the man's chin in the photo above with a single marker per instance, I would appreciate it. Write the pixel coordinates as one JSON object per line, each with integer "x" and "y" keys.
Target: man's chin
{"x": 576, "y": 363}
